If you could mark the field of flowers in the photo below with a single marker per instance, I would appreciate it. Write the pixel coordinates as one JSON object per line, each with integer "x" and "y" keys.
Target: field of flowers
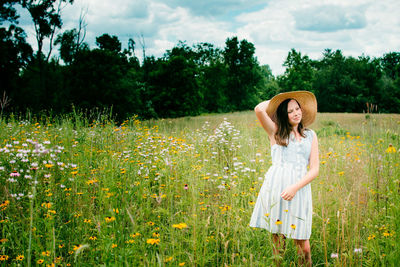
{"x": 180, "y": 192}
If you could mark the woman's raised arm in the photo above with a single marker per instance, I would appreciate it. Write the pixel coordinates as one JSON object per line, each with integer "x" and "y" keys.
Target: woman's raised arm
{"x": 266, "y": 122}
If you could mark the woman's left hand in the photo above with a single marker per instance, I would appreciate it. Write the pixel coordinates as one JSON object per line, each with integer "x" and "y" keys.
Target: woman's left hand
{"x": 289, "y": 192}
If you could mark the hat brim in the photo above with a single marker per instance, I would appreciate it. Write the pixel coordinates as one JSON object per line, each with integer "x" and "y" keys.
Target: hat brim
{"x": 306, "y": 99}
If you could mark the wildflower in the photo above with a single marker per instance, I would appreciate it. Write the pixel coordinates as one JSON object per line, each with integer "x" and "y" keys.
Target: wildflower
{"x": 390, "y": 149}
{"x": 370, "y": 237}
{"x": 20, "y": 257}
{"x": 266, "y": 214}
{"x": 15, "y": 174}
{"x": 293, "y": 226}
{"x": 334, "y": 255}
{"x": 286, "y": 210}
{"x": 181, "y": 263}
{"x": 186, "y": 187}
{"x": 91, "y": 181}
{"x": 252, "y": 203}
{"x": 357, "y": 250}
{"x": 46, "y": 205}
{"x": 76, "y": 247}
{"x": 225, "y": 207}
{"x": 153, "y": 241}
{"x": 46, "y": 253}
{"x": 278, "y": 222}
{"x": 134, "y": 235}
{"x": 340, "y": 173}
{"x": 40, "y": 261}
{"x": 114, "y": 245}
{"x": 168, "y": 259}
{"x": 3, "y": 257}
{"x": 92, "y": 238}
{"x": 156, "y": 235}
{"x": 150, "y": 223}
{"x": 4, "y": 204}
{"x": 180, "y": 225}
{"x": 386, "y": 234}
{"x": 110, "y": 219}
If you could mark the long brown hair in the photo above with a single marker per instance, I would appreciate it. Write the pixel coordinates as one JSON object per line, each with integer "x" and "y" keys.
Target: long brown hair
{"x": 283, "y": 126}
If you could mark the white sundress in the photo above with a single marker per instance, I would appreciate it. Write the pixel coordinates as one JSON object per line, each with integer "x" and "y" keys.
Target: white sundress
{"x": 290, "y": 218}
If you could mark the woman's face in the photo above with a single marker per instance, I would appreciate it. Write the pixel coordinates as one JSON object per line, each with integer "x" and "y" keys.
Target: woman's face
{"x": 294, "y": 112}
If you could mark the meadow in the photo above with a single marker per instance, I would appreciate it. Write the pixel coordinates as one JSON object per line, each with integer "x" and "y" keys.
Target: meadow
{"x": 180, "y": 192}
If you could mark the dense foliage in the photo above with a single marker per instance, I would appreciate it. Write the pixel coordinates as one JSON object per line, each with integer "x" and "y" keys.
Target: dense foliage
{"x": 184, "y": 81}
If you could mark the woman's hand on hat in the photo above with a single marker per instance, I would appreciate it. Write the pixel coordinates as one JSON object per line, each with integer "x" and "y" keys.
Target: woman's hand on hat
{"x": 289, "y": 192}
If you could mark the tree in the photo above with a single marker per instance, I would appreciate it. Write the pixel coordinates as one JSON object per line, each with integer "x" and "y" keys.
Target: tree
{"x": 243, "y": 76}
{"x": 8, "y": 12}
{"x": 268, "y": 85}
{"x": 70, "y": 45}
{"x": 298, "y": 74}
{"x": 212, "y": 77}
{"x": 172, "y": 85}
{"x": 46, "y": 17}
{"x": 15, "y": 52}
{"x": 346, "y": 84}
{"x": 101, "y": 78}
{"x": 391, "y": 64}
{"x": 108, "y": 42}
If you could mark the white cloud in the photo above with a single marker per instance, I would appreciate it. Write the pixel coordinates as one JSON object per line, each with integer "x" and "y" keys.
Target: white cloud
{"x": 329, "y": 18}
{"x": 273, "y": 29}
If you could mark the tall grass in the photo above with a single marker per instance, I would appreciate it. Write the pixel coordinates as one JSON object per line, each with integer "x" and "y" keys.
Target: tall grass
{"x": 180, "y": 192}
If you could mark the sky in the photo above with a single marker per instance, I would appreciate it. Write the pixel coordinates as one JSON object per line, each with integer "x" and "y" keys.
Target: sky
{"x": 357, "y": 27}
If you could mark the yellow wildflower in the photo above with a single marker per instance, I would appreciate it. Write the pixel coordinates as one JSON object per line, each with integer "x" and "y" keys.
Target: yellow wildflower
{"x": 46, "y": 253}
{"x": 180, "y": 225}
{"x": 110, "y": 219}
{"x": 3, "y": 257}
{"x": 46, "y": 205}
{"x": 20, "y": 257}
{"x": 278, "y": 222}
{"x": 153, "y": 241}
{"x": 386, "y": 234}
{"x": 391, "y": 149}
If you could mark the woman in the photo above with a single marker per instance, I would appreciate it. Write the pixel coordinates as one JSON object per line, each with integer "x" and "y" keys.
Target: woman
{"x": 284, "y": 203}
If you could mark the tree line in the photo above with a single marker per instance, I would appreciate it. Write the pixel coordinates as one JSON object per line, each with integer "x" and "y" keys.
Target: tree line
{"x": 186, "y": 80}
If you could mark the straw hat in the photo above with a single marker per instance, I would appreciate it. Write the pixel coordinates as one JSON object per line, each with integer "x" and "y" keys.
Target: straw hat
{"x": 306, "y": 99}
